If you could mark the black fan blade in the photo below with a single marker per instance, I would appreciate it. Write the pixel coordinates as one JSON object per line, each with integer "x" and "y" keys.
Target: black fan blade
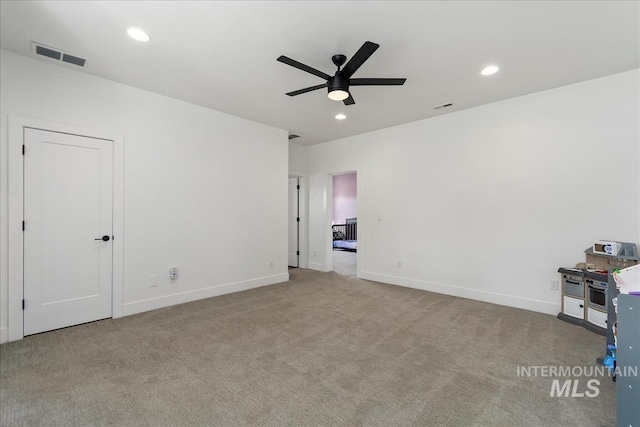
{"x": 307, "y": 89}
{"x": 359, "y": 58}
{"x": 349, "y": 100}
{"x": 301, "y": 66}
{"x": 377, "y": 82}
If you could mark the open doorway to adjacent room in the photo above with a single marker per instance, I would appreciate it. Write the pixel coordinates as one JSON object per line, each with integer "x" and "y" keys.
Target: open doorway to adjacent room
{"x": 294, "y": 223}
{"x": 345, "y": 223}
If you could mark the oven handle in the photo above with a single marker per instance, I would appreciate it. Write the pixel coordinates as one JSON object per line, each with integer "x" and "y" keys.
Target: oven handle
{"x": 572, "y": 282}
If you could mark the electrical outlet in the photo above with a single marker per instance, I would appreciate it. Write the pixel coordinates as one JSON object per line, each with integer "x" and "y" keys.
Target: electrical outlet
{"x": 554, "y": 284}
{"x": 271, "y": 264}
{"x": 173, "y": 274}
{"x": 399, "y": 264}
{"x": 153, "y": 280}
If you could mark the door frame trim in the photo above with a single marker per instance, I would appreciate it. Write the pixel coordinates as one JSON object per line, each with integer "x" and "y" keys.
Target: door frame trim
{"x": 15, "y": 215}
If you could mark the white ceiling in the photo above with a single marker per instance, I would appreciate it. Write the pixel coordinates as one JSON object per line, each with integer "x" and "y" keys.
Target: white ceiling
{"x": 222, "y": 55}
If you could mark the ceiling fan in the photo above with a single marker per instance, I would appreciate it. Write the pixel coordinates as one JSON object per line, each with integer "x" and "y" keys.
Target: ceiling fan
{"x": 338, "y": 84}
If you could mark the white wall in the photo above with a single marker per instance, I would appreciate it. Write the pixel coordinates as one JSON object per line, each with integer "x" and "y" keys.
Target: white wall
{"x": 345, "y": 197}
{"x": 297, "y": 160}
{"x": 488, "y": 202}
{"x": 204, "y": 191}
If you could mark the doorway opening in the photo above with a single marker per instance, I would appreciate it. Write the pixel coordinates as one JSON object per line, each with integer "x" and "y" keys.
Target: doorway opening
{"x": 294, "y": 223}
{"x": 345, "y": 223}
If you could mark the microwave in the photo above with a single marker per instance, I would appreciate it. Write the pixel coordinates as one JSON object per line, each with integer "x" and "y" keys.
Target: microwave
{"x": 606, "y": 248}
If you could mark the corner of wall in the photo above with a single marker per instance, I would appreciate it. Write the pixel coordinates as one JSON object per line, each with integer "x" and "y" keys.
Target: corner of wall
{"x": 297, "y": 159}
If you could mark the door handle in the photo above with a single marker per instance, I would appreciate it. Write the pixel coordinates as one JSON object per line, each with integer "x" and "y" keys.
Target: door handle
{"x": 104, "y": 238}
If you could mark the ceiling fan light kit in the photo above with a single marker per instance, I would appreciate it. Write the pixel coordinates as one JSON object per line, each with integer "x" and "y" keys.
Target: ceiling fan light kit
{"x": 338, "y": 84}
{"x": 338, "y": 94}
{"x": 338, "y": 88}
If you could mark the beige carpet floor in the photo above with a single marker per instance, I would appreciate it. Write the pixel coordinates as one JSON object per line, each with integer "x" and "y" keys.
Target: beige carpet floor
{"x": 323, "y": 349}
{"x": 344, "y": 263}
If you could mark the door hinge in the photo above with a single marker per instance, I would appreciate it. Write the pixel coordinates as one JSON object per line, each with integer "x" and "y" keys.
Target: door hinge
{"x": 23, "y": 149}
{"x": 298, "y": 219}
{"x": 297, "y": 186}
{"x": 23, "y": 304}
{"x": 22, "y": 225}
{"x": 297, "y": 252}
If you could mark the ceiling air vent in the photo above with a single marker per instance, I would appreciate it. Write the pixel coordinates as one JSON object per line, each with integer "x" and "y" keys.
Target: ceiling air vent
{"x": 293, "y": 136}
{"x": 75, "y": 60}
{"x": 437, "y": 107}
{"x": 57, "y": 54}
{"x": 45, "y": 51}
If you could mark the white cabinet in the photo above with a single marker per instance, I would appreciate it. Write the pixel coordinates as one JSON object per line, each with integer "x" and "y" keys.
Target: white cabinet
{"x": 596, "y": 317}
{"x": 573, "y": 307}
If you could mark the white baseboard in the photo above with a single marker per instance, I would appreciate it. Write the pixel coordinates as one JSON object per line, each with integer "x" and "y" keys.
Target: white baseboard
{"x": 4, "y": 335}
{"x": 474, "y": 294}
{"x": 317, "y": 266}
{"x": 198, "y": 294}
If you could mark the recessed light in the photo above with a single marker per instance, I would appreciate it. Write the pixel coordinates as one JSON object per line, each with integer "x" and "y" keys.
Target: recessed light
{"x": 138, "y": 34}
{"x": 340, "y": 116}
{"x": 491, "y": 69}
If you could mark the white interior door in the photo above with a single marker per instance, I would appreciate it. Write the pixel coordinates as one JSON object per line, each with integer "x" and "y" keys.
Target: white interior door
{"x": 293, "y": 222}
{"x": 67, "y": 211}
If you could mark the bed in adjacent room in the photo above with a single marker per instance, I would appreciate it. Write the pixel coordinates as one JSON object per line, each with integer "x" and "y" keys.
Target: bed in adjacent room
{"x": 345, "y": 236}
